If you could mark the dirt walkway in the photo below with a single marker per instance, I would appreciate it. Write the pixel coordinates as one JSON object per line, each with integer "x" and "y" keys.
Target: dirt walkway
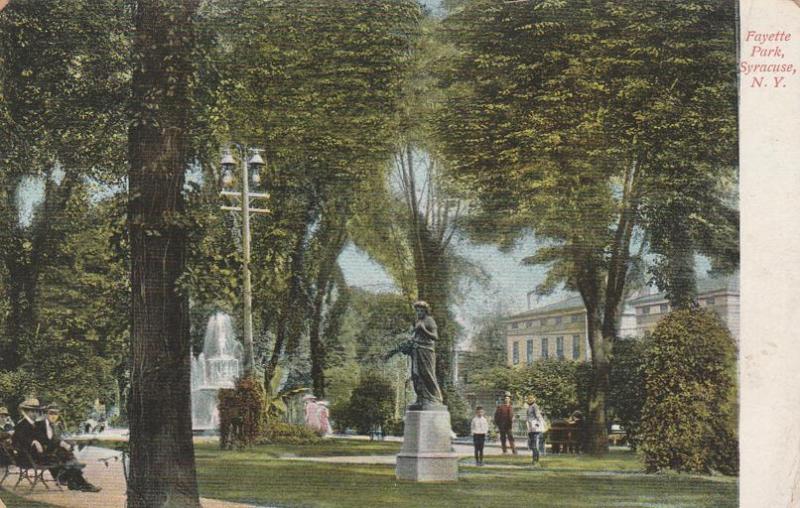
{"x": 104, "y": 469}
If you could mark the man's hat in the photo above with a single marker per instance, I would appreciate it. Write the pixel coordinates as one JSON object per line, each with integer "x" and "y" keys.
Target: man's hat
{"x": 422, "y": 304}
{"x": 32, "y": 403}
{"x": 53, "y": 408}
{"x": 507, "y": 394}
{"x": 3, "y": 411}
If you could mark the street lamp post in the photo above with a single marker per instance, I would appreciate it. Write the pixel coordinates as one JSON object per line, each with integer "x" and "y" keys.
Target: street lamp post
{"x": 255, "y": 164}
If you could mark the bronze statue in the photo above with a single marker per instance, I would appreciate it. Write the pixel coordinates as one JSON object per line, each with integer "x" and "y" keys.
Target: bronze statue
{"x": 421, "y": 349}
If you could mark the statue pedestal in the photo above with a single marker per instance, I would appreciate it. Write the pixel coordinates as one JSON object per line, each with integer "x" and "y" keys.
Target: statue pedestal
{"x": 427, "y": 454}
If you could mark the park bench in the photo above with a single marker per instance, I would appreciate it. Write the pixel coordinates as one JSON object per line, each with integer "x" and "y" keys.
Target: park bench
{"x": 28, "y": 468}
{"x": 564, "y": 437}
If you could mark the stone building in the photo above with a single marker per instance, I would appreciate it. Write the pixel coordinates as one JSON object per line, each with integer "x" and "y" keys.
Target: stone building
{"x": 558, "y": 330}
{"x": 720, "y": 294}
{"x": 555, "y": 331}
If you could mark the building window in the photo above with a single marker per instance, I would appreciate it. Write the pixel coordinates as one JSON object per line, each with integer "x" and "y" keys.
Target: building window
{"x": 528, "y": 324}
{"x": 646, "y": 310}
{"x": 515, "y": 352}
{"x": 710, "y": 301}
{"x": 543, "y": 322}
{"x": 558, "y": 320}
{"x": 576, "y": 347}
{"x": 545, "y": 354}
{"x": 664, "y": 308}
{"x": 514, "y": 325}
{"x": 574, "y": 318}
{"x": 560, "y": 347}
{"x": 529, "y": 352}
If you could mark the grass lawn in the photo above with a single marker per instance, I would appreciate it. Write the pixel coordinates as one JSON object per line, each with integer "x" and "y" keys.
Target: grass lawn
{"x": 256, "y": 476}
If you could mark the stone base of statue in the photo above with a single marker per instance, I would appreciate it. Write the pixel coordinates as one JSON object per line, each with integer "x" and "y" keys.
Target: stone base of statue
{"x": 427, "y": 454}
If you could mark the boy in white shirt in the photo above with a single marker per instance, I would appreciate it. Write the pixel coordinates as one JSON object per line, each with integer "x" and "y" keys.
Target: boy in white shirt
{"x": 479, "y": 427}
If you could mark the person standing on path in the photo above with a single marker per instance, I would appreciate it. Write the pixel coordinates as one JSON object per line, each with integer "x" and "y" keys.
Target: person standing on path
{"x": 535, "y": 423}
{"x": 504, "y": 419}
{"x": 479, "y": 427}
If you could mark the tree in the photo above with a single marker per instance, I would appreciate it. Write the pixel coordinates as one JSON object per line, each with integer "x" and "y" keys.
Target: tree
{"x": 566, "y": 119}
{"x": 371, "y": 404}
{"x": 415, "y": 235}
{"x": 323, "y": 103}
{"x": 689, "y": 414}
{"x": 63, "y": 90}
{"x": 162, "y": 466}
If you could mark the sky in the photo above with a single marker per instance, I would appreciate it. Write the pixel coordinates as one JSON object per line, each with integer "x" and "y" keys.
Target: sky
{"x": 507, "y": 288}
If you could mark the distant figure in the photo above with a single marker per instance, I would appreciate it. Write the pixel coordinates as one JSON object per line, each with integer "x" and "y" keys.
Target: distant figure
{"x": 535, "y": 423}
{"x": 311, "y": 413}
{"x": 6, "y": 424}
{"x": 504, "y": 419}
{"x": 323, "y": 417}
{"x": 479, "y": 427}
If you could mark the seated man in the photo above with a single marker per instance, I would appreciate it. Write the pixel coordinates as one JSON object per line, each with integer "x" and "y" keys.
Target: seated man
{"x": 48, "y": 444}
{"x": 6, "y": 425}
{"x": 24, "y": 430}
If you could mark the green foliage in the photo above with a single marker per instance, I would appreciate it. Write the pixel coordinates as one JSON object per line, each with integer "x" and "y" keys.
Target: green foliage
{"x": 459, "y": 411}
{"x": 627, "y": 394}
{"x": 689, "y": 415}
{"x": 570, "y": 120}
{"x": 559, "y": 386}
{"x": 370, "y": 405}
{"x": 277, "y": 396}
{"x": 15, "y": 386}
{"x": 286, "y": 433}
{"x": 242, "y": 413}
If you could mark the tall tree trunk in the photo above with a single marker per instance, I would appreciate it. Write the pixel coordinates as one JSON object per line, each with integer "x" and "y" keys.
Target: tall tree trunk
{"x": 333, "y": 237}
{"x": 162, "y": 466}
{"x": 295, "y": 304}
{"x": 596, "y": 435}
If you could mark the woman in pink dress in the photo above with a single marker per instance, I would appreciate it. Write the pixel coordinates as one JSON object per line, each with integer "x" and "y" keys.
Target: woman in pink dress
{"x": 324, "y": 423}
{"x": 312, "y": 413}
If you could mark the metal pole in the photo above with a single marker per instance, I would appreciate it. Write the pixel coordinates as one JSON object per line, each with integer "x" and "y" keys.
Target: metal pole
{"x": 248, "y": 312}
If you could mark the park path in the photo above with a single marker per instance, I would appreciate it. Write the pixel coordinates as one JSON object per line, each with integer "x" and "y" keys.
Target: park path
{"x": 463, "y": 450}
{"x": 104, "y": 469}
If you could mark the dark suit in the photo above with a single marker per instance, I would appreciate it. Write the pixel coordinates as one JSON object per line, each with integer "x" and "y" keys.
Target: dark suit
{"x": 504, "y": 419}
{"x": 24, "y": 435}
{"x": 54, "y": 452}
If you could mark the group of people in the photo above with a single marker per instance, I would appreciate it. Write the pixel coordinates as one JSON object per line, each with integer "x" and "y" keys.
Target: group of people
{"x": 38, "y": 434}
{"x": 317, "y": 415}
{"x": 504, "y": 421}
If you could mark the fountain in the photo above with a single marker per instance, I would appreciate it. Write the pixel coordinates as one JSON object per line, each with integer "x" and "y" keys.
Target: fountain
{"x": 216, "y": 367}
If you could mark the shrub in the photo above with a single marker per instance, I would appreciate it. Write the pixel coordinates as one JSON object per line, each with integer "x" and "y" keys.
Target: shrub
{"x": 287, "y": 433}
{"x": 371, "y": 404}
{"x": 688, "y": 419}
{"x": 394, "y": 427}
{"x": 627, "y": 392}
{"x": 459, "y": 412}
{"x": 560, "y": 386}
{"x": 241, "y": 413}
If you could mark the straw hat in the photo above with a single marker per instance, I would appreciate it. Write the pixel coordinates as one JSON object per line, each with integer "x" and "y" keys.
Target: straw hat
{"x": 3, "y": 411}
{"x": 32, "y": 403}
